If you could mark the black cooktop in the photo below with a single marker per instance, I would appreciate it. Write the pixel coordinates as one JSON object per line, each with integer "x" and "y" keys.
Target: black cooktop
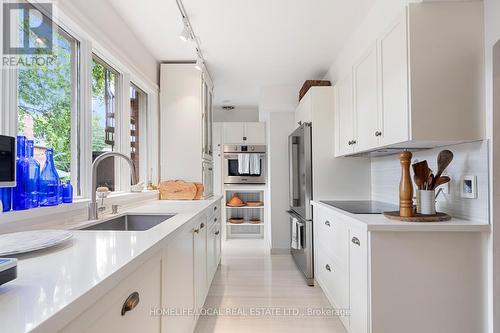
{"x": 363, "y": 207}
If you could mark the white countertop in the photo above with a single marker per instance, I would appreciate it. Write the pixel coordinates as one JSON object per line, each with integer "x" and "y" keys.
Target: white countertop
{"x": 377, "y": 222}
{"x": 54, "y": 285}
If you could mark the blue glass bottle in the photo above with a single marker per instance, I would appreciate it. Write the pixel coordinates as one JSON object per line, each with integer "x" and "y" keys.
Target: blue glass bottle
{"x": 34, "y": 175}
{"x": 67, "y": 191}
{"x": 49, "y": 181}
{"x": 6, "y": 198}
{"x": 20, "y": 193}
{"x": 60, "y": 194}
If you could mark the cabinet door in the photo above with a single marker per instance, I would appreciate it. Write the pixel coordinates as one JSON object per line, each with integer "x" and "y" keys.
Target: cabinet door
{"x": 303, "y": 113}
{"x": 394, "y": 84}
{"x": 255, "y": 133}
{"x": 233, "y": 133}
{"x": 366, "y": 101}
{"x": 344, "y": 117}
{"x": 211, "y": 255}
{"x": 179, "y": 281}
{"x": 358, "y": 282}
{"x": 200, "y": 263}
{"x": 217, "y": 136}
{"x": 145, "y": 286}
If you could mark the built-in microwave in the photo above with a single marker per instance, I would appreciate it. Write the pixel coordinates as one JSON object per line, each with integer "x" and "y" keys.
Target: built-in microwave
{"x": 245, "y": 164}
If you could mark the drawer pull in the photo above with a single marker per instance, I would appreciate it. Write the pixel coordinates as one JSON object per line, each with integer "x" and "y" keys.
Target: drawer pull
{"x": 215, "y": 208}
{"x": 197, "y": 230}
{"x": 327, "y": 223}
{"x": 327, "y": 267}
{"x": 202, "y": 225}
{"x": 215, "y": 219}
{"x": 130, "y": 303}
{"x": 217, "y": 233}
{"x": 355, "y": 240}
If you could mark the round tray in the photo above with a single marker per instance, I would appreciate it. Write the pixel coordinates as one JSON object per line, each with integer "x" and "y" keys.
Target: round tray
{"x": 255, "y": 221}
{"x": 27, "y": 241}
{"x": 255, "y": 203}
{"x": 233, "y": 205}
{"x": 236, "y": 220}
{"x": 438, "y": 217}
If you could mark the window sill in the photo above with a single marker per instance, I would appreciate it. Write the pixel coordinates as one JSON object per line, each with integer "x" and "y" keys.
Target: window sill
{"x": 54, "y": 216}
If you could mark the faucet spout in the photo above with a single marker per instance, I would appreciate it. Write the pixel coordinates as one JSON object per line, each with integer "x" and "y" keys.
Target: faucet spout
{"x": 93, "y": 215}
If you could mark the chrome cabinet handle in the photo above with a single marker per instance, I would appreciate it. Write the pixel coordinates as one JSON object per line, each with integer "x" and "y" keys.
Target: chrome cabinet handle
{"x": 244, "y": 138}
{"x": 354, "y": 142}
{"x": 130, "y": 303}
{"x": 215, "y": 208}
{"x": 355, "y": 240}
{"x": 327, "y": 267}
{"x": 378, "y": 133}
{"x": 197, "y": 230}
{"x": 217, "y": 233}
{"x": 202, "y": 225}
{"x": 327, "y": 223}
{"x": 215, "y": 219}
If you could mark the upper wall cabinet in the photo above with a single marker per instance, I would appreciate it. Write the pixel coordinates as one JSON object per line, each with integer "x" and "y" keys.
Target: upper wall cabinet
{"x": 419, "y": 85}
{"x": 244, "y": 133}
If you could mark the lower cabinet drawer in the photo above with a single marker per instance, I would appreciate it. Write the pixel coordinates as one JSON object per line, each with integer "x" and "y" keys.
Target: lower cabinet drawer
{"x": 332, "y": 234}
{"x": 126, "y": 308}
{"x": 333, "y": 278}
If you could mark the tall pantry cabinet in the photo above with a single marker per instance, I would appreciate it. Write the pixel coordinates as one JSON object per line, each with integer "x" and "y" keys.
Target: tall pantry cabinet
{"x": 186, "y": 147}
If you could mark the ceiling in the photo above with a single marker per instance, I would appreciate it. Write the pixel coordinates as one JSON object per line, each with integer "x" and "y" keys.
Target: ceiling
{"x": 248, "y": 44}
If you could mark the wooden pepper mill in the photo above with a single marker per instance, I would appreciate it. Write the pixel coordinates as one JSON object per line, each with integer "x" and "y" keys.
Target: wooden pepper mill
{"x": 405, "y": 186}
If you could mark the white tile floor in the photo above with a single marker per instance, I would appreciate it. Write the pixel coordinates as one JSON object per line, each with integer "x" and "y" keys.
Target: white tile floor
{"x": 250, "y": 279}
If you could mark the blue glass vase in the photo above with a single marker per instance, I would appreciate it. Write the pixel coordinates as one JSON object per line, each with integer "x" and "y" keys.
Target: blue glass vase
{"x": 67, "y": 192}
{"x": 6, "y": 198}
{"x": 49, "y": 181}
{"x": 20, "y": 193}
{"x": 34, "y": 175}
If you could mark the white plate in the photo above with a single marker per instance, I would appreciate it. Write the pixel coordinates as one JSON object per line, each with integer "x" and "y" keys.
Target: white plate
{"x": 27, "y": 241}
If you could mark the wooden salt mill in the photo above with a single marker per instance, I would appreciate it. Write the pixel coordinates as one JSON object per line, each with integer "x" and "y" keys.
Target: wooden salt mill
{"x": 405, "y": 186}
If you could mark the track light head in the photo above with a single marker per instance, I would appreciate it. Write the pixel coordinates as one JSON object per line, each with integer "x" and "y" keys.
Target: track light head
{"x": 186, "y": 34}
{"x": 199, "y": 63}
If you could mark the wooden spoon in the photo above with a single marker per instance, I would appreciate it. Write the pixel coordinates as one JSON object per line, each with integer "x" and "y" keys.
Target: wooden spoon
{"x": 442, "y": 180}
{"x": 444, "y": 159}
{"x": 420, "y": 170}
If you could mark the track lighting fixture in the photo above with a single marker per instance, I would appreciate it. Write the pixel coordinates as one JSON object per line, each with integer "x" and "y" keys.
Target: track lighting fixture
{"x": 186, "y": 32}
{"x": 199, "y": 63}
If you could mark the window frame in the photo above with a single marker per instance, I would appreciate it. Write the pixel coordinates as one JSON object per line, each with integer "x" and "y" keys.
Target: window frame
{"x": 89, "y": 46}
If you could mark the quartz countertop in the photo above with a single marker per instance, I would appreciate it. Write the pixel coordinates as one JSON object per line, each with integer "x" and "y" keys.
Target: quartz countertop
{"x": 55, "y": 285}
{"x": 377, "y": 222}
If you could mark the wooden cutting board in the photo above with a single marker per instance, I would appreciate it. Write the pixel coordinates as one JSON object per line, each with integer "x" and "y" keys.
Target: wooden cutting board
{"x": 178, "y": 190}
{"x": 199, "y": 191}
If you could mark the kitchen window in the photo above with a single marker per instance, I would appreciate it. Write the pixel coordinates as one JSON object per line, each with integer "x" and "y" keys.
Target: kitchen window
{"x": 47, "y": 106}
{"x": 104, "y": 120}
{"x": 138, "y": 120}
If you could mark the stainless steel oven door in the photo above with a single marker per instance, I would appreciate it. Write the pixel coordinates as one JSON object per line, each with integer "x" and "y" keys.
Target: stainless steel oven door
{"x": 301, "y": 245}
{"x": 233, "y": 176}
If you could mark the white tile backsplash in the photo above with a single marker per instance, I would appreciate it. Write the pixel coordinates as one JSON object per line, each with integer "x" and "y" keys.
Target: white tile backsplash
{"x": 469, "y": 159}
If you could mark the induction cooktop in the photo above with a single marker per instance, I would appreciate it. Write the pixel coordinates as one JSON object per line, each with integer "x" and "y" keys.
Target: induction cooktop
{"x": 363, "y": 206}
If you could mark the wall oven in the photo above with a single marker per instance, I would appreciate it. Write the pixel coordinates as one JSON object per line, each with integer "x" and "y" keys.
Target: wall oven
{"x": 245, "y": 164}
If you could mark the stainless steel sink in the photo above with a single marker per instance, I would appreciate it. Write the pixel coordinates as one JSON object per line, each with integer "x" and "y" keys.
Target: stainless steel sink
{"x": 130, "y": 223}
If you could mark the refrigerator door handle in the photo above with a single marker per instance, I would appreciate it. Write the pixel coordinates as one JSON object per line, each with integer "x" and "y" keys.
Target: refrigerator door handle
{"x": 294, "y": 172}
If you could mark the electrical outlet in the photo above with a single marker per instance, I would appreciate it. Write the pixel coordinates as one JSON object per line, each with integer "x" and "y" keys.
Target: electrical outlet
{"x": 468, "y": 187}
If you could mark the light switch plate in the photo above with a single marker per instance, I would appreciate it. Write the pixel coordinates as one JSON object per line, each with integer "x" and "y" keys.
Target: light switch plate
{"x": 468, "y": 187}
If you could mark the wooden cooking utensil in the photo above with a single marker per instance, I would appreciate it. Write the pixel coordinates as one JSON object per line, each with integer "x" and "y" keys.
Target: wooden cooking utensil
{"x": 443, "y": 160}
{"x": 441, "y": 180}
{"x": 421, "y": 171}
{"x": 430, "y": 180}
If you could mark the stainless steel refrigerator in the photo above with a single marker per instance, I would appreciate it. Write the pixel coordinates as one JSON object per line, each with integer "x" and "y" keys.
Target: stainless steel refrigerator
{"x": 300, "y": 161}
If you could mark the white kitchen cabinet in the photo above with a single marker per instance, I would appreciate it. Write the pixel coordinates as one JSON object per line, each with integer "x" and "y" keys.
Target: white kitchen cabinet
{"x": 179, "y": 280}
{"x": 393, "y": 118}
{"x": 383, "y": 276}
{"x": 344, "y": 117}
{"x": 217, "y": 136}
{"x": 143, "y": 287}
{"x": 200, "y": 263}
{"x": 358, "y": 281}
{"x": 366, "y": 100}
{"x": 252, "y": 133}
{"x": 185, "y": 123}
{"x": 418, "y": 85}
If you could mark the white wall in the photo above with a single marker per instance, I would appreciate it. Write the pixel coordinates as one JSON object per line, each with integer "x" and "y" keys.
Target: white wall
{"x": 239, "y": 114}
{"x": 279, "y": 125}
{"x": 278, "y": 98}
{"x": 492, "y": 35}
